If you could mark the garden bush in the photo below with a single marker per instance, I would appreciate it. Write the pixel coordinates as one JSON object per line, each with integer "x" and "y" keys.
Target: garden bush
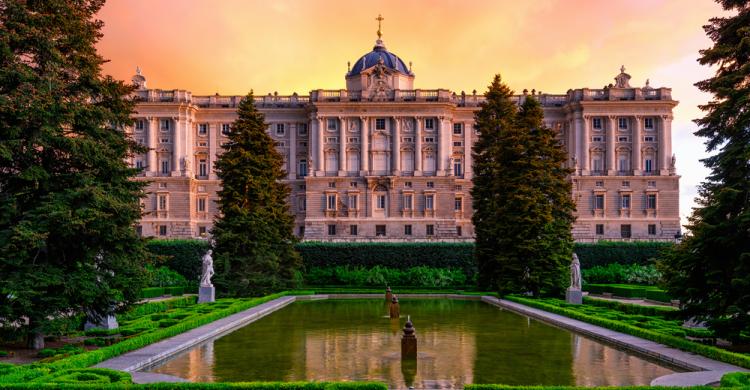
{"x": 379, "y": 276}
{"x": 606, "y": 252}
{"x": 654, "y": 329}
{"x": 619, "y": 273}
{"x": 165, "y": 277}
{"x": 736, "y": 379}
{"x": 86, "y": 376}
{"x": 627, "y": 291}
{"x": 152, "y": 292}
{"x": 182, "y": 256}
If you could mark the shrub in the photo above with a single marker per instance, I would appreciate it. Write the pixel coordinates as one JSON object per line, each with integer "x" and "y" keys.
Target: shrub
{"x": 86, "y": 376}
{"x": 658, "y": 295}
{"x": 152, "y": 292}
{"x": 627, "y": 291}
{"x": 379, "y": 276}
{"x": 3, "y": 353}
{"x": 165, "y": 277}
{"x": 735, "y": 379}
{"x": 619, "y": 273}
{"x": 606, "y": 252}
{"x": 182, "y": 256}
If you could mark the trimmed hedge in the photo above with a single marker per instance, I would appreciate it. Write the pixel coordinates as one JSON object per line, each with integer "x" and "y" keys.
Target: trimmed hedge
{"x": 183, "y": 256}
{"x": 86, "y": 376}
{"x": 155, "y": 292}
{"x": 619, "y": 326}
{"x": 628, "y": 291}
{"x": 207, "y": 386}
{"x": 606, "y": 252}
{"x": 736, "y": 379}
{"x": 629, "y": 308}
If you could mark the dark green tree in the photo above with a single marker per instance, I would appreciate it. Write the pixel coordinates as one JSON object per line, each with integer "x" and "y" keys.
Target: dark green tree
{"x": 521, "y": 195}
{"x": 710, "y": 270}
{"x": 68, "y": 205}
{"x": 254, "y": 240}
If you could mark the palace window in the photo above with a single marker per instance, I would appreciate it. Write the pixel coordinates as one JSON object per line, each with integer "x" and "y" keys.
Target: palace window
{"x": 652, "y": 230}
{"x": 458, "y": 128}
{"x": 648, "y": 138}
{"x": 651, "y": 201}
{"x": 203, "y": 144}
{"x": 597, "y": 163}
{"x": 353, "y": 201}
{"x": 162, "y": 204}
{"x": 626, "y": 184}
{"x": 201, "y": 206}
{"x": 597, "y": 138}
{"x": 648, "y": 123}
{"x": 225, "y": 129}
{"x": 599, "y": 229}
{"x": 648, "y": 165}
{"x": 458, "y": 143}
{"x": 429, "y": 202}
{"x": 380, "y": 230}
{"x": 353, "y": 140}
{"x": 407, "y": 140}
{"x": 407, "y": 230}
{"x": 380, "y": 202}
{"x": 302, "y": 168}
{"x": 457, "y": 168}
{"x": 164, "y": 140}
{"x": 202, "y": 231}
{"x": 652, "y": 183}
{"x": 301, "y": 203}
{"x": 301, "y": 231}
{"x": 380, "y": 124}
{"x": 331, "y": 230}
{"x": 331, "y": 202}
{"x": 203, "y": 129}
{"x": 597, "y": 123}
{"x": 625, "y": 231}
{"x": 407, "y": 184}
{"x": 458, "y": 204}
{"x": 280, "y": 129}
{"x": 408, "y": 202}
{"x": 430, "y": 230}
{"x": 429, "y": 124}
{"x": 331, "y": 184}
{"x": 165, "y": 124}
{"x": 139, "y": 125}
{"x": 622, "y": 139}
{"x": 353, "y": 230}
{"x": 164, "y": 166}
{"x": 622, "y": 123}
{"x": 459, "y": 231}
{"x": 139, "y": 164}
{"x": 599, "y": 183}
{"x": 353, "y": 184}
{"x": 331, "y": 123}
{"x": 625, "y": 202}
{"x": 332, "y": 140}
{"x": 599, "y": 202}
{"x": 139, "y": 230}
{"x": 624, "y": 163}
{"x": 429, "y": 140}
{"x": 302, "y": 129}
{"x": 202, "y": 167}
{"x": 162, "y": 230}
{"x": 430, "y": 184}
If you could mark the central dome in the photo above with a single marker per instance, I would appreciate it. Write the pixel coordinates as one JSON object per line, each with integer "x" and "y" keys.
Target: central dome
{"x": 390, "y": 60}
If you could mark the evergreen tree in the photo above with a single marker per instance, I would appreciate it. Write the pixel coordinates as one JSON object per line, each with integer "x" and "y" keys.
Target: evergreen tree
{"x": 68, "y": 205}
{"x": 522, "y": 205}
{"x": 254, "y": 240}
{"x": 709, "y": 272}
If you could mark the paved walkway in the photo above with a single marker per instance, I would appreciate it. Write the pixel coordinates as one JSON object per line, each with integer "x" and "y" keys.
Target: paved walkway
{"x": 708, "y": 371}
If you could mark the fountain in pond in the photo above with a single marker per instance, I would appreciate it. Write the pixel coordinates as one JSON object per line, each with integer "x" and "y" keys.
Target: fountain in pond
{"x": 394, "y": 309}
{"x": 408, "y": 341}
{"x": 388, "y": 294}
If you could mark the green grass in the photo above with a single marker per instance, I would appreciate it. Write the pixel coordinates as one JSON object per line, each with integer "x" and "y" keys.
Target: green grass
{"x": 657, "y": 328}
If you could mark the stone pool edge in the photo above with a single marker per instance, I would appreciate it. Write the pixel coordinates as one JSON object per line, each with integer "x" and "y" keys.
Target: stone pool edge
{"x": 704, "y": 371}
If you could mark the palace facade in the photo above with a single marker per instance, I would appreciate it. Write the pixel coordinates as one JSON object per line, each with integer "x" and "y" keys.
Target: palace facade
{"x": 381, "y": 160}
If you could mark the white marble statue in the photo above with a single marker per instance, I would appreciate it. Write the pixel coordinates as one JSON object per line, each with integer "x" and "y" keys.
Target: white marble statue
{"x": 575, "y": 273}
{"x": 208, "y": 269}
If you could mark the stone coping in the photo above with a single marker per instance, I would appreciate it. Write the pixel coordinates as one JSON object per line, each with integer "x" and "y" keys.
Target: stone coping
{"x": 708, "y": 370}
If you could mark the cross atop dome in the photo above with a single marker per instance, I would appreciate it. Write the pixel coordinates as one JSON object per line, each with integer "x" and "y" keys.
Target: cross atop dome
{"x": 380, "y": 18}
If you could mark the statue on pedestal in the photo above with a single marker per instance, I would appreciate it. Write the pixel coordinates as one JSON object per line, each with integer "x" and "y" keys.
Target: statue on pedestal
{"x": 208, "y": 269}
{"x": 575, "y": 273}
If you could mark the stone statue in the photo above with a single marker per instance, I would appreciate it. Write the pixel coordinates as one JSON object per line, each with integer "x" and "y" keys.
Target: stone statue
{"x": 673, "y": 162}
{"x": 208, "y": 269}
{"x": 575, "y": 273}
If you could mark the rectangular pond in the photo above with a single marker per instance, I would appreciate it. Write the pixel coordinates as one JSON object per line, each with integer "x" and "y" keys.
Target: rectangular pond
{"x": 459, "y": 342}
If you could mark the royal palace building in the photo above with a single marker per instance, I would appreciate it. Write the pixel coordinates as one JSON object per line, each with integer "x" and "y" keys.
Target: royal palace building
{"x": 381, "y": 160}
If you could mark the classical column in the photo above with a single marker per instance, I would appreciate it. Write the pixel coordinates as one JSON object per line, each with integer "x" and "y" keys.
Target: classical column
{"x": 343, "y": 124}
{"x": 636, "y": 157}
{"x": 364, "y": 138}
{"x": 468, "y": 130}
{"x": 585, "y": 145}
{"x": 396, "y": 152}
{"x": 176, "y": 143}
{"x": 418, "y": 146}
{"x": 213, "y": 139}
{"x": 152, "y": 143}
{"x": 665, "y": 144}
{"x": 611, "y": 167}
{"x": 312, "y": 145}
{"x": 580, "y": 145}
{"x": 291, "y": 166}
{"x": 572, "y": 145}
{"x": 188, "y": 143}
{"x": 320, "y": 143}
{"x": 443, "y": 146}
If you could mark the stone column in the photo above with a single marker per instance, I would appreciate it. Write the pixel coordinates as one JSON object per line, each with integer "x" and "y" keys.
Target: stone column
{"x": 152, "y": 143}
{"x": 611, "y": 167}
{"x": 188, "y": 144}
{"x": 665, "y": 144}
{"x": 291, "y": 165}
{"x": 572, "y": 145}
{"x": 213, "y": 139}
{"x": 176, "y": 143}
{"x": 322, "y": 128}
{"x": 396, "y": 152}
{"x": 343, "y": 124}
{"x": 585, "y": 146}
{"x": 365, "y": 142}
{"x": 636, "y": 156}
{"x": 468, "y": 133}
{"x": 312, "y": 145}
{"x": 418, "y": 146}
{"x": 578, "y": 131}
{"x": 443, "y": 146}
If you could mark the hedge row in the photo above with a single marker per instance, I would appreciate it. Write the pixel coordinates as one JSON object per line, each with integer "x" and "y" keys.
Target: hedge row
{"x": 183, "y": 256}
{"x": 629, "y": 308}
{"x": 155, "y": 292}
{"x": 736, "y": 379}
{"x": 206, "y": 386}
{"x": 672, "y": 341}
{"x": 629, "y": 291}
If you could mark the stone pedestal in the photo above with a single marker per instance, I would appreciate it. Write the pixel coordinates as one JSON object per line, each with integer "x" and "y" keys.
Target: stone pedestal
{"x": 206, "y": 294}
{"x": 109, "y": 322}
{"x": 574, "y": 296}
{"x": 393, "y": 310}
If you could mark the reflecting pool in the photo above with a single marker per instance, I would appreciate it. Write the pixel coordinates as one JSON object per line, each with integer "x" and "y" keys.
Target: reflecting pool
{"x": 459, "y": 342}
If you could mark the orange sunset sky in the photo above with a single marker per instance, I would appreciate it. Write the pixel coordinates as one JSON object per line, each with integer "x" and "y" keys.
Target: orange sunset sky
{"x": 232, "y": 46}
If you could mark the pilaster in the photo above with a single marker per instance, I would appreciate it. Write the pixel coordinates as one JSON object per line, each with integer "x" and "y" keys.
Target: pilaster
{"x": 418, "y": 146}
{"x": 152, "y": 144}
{"x": 396, "y": 153}
{"x": 343, "y": 125}
{"x": 365, "y": 141}
{"x": 611, "y": 167}
{"x": 637, "y": 137}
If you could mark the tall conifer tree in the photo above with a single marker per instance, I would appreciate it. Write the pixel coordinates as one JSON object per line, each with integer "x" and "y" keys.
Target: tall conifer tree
{"x": 710, "y": 270}
{"x": 522, "y": 206}
{"x": 68, "y": 205}
{"x": 254, "y": 239}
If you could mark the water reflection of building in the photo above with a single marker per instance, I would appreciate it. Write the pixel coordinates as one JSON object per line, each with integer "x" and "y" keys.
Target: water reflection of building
{"x": 197, "y": 365}
{"x": 596, "y": 364}
{"x": 447, "y": 354}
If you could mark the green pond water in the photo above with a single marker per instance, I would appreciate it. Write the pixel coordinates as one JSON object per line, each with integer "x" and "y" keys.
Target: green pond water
{"x": 459, "y": 342}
